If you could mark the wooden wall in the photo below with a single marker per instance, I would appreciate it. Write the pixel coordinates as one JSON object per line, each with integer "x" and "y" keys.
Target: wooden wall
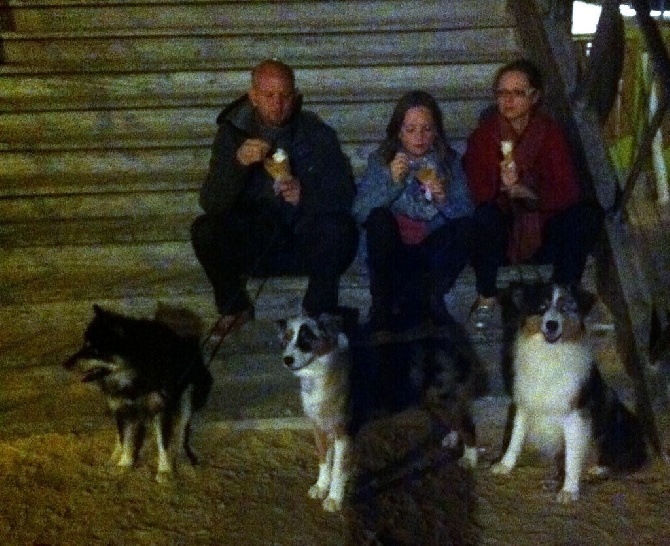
{"x": 108, "y": 111}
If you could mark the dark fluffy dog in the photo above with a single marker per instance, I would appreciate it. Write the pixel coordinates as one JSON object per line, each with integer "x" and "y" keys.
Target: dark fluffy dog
{"x": 562, "y": 403}
{"x": 149, "y": 374}
{"x": 344, "y": 385}
{"x": 434, "y": 373}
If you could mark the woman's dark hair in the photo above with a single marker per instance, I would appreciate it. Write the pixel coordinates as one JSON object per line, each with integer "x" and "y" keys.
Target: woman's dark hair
{"x": 525, "y": 67}
{"x": 414, "y": 99}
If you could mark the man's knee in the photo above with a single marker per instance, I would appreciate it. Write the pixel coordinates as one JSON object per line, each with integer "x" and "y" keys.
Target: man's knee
{"x": 203, "y": 227}
{"x": 332, "y": 239}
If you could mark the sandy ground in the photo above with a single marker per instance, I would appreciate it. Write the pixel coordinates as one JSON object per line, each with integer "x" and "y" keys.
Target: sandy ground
{"x": 251, "y": 485}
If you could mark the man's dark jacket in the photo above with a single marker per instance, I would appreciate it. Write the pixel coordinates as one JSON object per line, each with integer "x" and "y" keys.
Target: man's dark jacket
{"x": 315, "y": 157}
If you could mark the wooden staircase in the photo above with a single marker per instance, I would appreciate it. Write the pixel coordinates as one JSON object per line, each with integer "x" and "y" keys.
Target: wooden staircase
{"x": 108, "y": 114}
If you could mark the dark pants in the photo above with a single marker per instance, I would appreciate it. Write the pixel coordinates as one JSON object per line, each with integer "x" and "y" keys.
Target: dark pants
{"x": 238, "y": 244}
{"x": 407, "y": 277}
{"x": 567, "y": 240}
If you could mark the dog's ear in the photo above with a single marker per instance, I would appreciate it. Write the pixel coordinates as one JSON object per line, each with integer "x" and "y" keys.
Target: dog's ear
{"x": 280, "y": 325}
{"x": 584, "y": 299}
{"x": 331, "y": 326}
{"x": 97, "y": 309}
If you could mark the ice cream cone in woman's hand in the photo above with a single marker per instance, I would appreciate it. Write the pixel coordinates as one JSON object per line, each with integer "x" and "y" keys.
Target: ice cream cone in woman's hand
{"x": 507, "y": 147}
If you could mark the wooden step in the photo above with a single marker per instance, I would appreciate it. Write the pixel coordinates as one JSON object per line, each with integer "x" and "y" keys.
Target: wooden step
{"x": 101, "y": 171}
{"x": 116, "y": 205}
{"x": 160, "y": 51}
{"x": 133, "y": 229}
{"x": 160, "y": 270}
{"x": 189, "y": 127}
{"x": 94, "y": 171}
{"x": 82, "y": 219}
{"x": 248, "y": 15}
{"x": 27, "y": 92}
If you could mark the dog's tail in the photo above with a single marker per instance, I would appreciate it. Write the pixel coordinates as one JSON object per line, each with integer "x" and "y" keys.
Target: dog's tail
{"x": 618, "y": 432}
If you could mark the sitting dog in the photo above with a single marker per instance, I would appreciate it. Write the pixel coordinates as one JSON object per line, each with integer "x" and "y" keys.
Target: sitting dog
{"x": 317, "y": 353}
{"x": 387, "y": 378}
{"x": 149, "y": 374}
{"x": 562, "y": 402}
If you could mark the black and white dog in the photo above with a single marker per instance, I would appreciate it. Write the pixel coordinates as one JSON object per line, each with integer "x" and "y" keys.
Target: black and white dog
{"x": 149, "y": 375}
{"x": 342, "y": 386}
{"x": 562, "y": 403}
{"x": 317, "y": 352}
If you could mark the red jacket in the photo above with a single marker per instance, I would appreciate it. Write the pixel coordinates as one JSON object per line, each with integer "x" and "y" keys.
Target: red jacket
{"x": 543, "y": 159}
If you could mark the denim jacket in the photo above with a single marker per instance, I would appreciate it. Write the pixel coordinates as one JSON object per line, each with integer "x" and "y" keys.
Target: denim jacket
{"x": 375, "y": 188}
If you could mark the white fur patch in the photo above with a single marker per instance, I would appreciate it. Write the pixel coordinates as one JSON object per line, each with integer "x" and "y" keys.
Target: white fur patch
{"x": 322, "y": 362}
{"x": 548, "y": 378}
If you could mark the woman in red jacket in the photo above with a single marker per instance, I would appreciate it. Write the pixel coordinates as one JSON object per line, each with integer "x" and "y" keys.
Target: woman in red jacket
{"x": 526, "y": 191}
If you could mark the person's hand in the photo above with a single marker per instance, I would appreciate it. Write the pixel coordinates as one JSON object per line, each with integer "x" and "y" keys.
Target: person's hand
{"x": 252, "y": 151}
{"x": 519, "y": 191}
{"x": 289, "y": 190}
{"x": 399, "y": 167}
{"x": 509, "y": 174}
{"x": 437, "y": 188}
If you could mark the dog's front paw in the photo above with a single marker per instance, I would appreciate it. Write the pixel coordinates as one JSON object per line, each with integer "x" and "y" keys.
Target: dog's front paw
{"x": 124, "y": 463}
{"x": 450, "y": 440}
{"x": 317, "y": 492}
{"x": 500, "y": 468}
{"x": 164, "y": 476}
{"x": 598, "y": 471}
{"x": 566, "y": 496}
{"x": 331, "y": 504}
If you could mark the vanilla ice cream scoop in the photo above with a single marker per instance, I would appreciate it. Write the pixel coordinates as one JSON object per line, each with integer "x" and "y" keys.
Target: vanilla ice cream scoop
{"x": 506, "y": 147}
{"x": 279, "y": 156}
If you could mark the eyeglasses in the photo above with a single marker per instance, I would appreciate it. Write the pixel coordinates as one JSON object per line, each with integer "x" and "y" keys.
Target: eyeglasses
{"x": 417, "y": 129}
{"x": 513, "y": 93}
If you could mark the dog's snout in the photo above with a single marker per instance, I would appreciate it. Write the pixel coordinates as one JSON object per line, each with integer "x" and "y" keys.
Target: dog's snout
{"x": 288, "y": 360}
{"x": 551, "y": 326}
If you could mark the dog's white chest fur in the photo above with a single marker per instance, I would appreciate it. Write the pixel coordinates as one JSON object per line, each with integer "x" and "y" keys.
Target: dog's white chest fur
{"x": 548, "y": 381}
{"x": 324, "y": 390}
{"x": 548, "y": 377}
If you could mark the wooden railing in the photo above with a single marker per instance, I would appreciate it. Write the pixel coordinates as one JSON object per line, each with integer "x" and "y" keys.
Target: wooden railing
{"x": 634, "y": 267}
{"x": 599, "y": 83}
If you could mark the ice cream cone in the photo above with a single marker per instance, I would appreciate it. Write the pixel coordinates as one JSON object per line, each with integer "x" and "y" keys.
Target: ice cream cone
{"x": 278, "y": 166}
{"x": 424, "y": 174}
{"x": 507, "y": 147}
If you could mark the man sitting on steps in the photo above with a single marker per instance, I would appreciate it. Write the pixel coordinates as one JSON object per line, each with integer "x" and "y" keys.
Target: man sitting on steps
{"x": 263, "y": 220}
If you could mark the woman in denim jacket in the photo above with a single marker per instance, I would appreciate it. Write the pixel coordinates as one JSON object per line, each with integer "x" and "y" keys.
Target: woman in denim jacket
{"x": 414, "y": 205}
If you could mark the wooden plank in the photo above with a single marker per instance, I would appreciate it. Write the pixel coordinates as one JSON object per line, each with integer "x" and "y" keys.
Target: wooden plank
{"x": 93, "y": 171}
{"x": 139, "y": 52}
{"x": 248, "y": 16}
{"x": 96, "y": 231}
{"x": 196, "y": 126}
{"x": 110, "y": 205}
{"x": 119, "y": 272}
{"x": 116, "y": 271}
{"x": 101, "y": 171}
{"x": 25, "y": 92}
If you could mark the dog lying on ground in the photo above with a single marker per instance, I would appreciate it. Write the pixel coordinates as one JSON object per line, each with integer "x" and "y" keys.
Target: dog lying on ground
{"x": 149, "y": 375}
{"x": 562, "y": 402}
{"x": 339, "y": 399}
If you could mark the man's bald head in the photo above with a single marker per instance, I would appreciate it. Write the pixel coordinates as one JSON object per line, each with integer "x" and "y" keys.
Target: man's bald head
{"x": 272, "y": 92}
